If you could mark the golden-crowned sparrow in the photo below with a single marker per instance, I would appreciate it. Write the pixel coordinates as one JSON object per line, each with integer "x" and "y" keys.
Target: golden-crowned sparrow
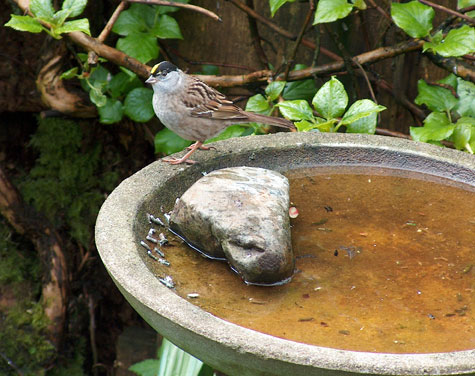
{"x": 195, "y": 111}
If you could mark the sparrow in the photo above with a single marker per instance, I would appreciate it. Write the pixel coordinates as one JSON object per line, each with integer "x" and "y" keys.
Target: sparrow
{"x": 196, "y": 111}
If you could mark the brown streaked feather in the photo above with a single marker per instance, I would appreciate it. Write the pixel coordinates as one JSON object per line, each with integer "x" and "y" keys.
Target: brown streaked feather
{"x": 206, "y": 102}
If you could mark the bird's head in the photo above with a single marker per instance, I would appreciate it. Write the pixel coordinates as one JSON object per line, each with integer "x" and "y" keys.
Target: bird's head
{"x": 164, "y": 74}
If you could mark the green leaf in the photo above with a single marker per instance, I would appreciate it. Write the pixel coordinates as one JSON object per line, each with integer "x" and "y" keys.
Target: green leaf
{"x": 304, "y": 125}
{"x": 360, "y": 4}
{"x": 413, "y": 17}
{"x": 466, "y": 102}
{"x": 99, "y": 77}
{"x": 318, "y": 124}
{"x": 274, "y": 89}
{"x": 147, "y": 367}
{"x": 167, "y": 28}
{"x": 96, "y": 96}
{"x": 141, "y": 46}
{"x": 74, "y": 25}
{"x": 436, "y": 98}
{"x": 436, "y": 127}
{"x": 60, "y": 16}
{"x": 257, "y": 103}
{"x": 230, "y": 132}
{"x": 168, "y": 142}
{"x": 331, "y": 99}
{"x": 462, "y": 134}
{"x": 364, "y": 125}
{"x": 174, "y": 361}
{"x": 42, "y": 9}
{"x": 24, "y": 23}
{"x": 296, "y": 110}
{"x": 458, "y": 42}
{"x": 451, "y": 80}
{"x": 71, "y": 73}
{"x": 122, "y": 83}
{"x": 138, "y": 104}
{"x": 130, "y": 21}
{"x": 111, "y": 112}
{"x": 331, "y": 10}
{"x": 276, "y": 4}
{"x": 361, "y": 109}
{"x": 75, "y": 7}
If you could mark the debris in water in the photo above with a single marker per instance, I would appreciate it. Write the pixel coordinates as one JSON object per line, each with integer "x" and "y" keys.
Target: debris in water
{"x": 159, "y": 251}
{"x": 151, "y": 239}
{"x": 293, "y": 212}
{"x": 167, "y": 281}
{"x": 155, "y": 220}
{"x": 162, "y": 239}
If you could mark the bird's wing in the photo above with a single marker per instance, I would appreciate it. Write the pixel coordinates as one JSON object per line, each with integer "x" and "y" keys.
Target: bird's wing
{"x": 205, "y": 102}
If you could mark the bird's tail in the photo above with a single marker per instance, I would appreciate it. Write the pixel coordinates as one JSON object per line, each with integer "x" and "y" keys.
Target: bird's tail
{"x": 271, "y": 120}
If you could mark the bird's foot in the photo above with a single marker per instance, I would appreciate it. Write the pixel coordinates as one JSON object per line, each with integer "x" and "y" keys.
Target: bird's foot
{"x": 175, "y": 161}
{"x": 201, "y": 147}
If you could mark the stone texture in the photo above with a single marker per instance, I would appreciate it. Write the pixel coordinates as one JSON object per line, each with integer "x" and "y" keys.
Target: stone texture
{"x": 241, "y": 214}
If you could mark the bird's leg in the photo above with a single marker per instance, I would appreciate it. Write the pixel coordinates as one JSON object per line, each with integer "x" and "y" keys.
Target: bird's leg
{"x": 201, "y": 147}
{"x": 197, "y": 145}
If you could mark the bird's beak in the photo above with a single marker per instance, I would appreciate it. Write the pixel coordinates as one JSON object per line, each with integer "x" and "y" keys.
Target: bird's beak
{"x": 151, "y": 80}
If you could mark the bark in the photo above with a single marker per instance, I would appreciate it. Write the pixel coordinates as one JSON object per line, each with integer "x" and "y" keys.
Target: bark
{"x": 47, "y": 242}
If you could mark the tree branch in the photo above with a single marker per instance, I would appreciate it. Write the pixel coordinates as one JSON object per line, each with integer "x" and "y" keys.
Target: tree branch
{"x": 256, "y": 40}
{"x": 27, "y": 222}
{"x": 279, "y": 30}
{"x": 311, "y": 8}
{"x": 449, "y": 11}
{"x": 194, "y": 8}
{"x": 110, "y": 24}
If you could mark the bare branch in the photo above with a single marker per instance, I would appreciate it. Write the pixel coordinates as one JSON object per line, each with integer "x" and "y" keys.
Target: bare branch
{"x": 449, "y": 11}
{"x": 311, "y": 8}
{"x": 107, "y": 29}
{"x": 279, "y": 30}
{"x": 194, "y": 8}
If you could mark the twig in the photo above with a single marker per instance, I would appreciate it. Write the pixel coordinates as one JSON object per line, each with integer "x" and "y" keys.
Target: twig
{"x": 92, "y": 330}
{"x": 387, "y": 132}
{"x": 316, "y": 53}
{"x": 107, "y": 29}
{"x": 281, "y": 31}
{"x": 447, "y": 10}
{"x": 11, "y": 364}
{"x": 444, "y": 86}
{"x": 290, "y": 62}
{"x": 347, "y": 59}
{"x": 256, "y": 40}
{"x": 380, "y": 10}
{"x": 194, "y": 8}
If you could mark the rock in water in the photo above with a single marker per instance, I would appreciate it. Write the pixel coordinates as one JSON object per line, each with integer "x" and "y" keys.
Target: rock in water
{"x": 241, "y": 214}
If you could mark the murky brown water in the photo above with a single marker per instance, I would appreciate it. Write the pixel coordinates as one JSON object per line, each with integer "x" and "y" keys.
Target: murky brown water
{"x": 384, "y": 264}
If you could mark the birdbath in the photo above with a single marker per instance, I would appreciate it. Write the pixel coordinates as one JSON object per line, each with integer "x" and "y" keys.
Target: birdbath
{"x": 233, "y": 349}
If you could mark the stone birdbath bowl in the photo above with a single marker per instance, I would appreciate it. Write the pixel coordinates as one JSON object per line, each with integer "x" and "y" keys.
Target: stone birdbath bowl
{"x": 230, "y": 348}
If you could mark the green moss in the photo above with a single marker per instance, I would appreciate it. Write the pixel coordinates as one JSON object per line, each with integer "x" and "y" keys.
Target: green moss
{"x": 22, "y": 320}
{"x": 67, "y": 183}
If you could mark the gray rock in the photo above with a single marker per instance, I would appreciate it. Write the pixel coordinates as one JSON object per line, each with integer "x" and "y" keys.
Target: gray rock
{"x": 241, "y": 214}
